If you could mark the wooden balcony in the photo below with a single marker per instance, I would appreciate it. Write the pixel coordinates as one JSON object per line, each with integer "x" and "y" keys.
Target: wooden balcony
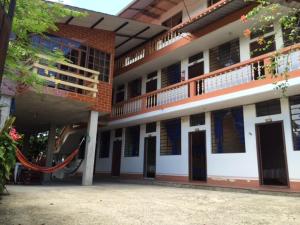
{"x": 237, "y": 77}
{"x": 68, "y": 77}
{"x": 211, "y": 18}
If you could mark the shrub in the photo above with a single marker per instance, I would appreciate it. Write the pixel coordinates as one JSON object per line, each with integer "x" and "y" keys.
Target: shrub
{"x": 9, "y": 139}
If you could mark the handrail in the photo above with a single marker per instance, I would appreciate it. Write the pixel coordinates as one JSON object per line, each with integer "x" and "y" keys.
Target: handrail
{"x": 72, "y": 78}
{"x": 233, "y": 75}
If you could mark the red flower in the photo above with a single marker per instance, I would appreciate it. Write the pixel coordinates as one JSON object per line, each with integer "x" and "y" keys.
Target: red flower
{"x": 14, "y": 134}
{"x": 244, "y": 19}
{"x": 247, "y": 33}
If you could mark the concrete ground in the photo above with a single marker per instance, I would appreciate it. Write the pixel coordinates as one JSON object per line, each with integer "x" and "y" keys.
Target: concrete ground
{"x": 119, "y": 203}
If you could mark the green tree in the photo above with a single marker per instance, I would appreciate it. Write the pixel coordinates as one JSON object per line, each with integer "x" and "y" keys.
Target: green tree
{"x": 32, "y": 17}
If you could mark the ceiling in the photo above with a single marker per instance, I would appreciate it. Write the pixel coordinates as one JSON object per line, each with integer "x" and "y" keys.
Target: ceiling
{"x": 147, "y": 10}
{"x": 129, "y": 33}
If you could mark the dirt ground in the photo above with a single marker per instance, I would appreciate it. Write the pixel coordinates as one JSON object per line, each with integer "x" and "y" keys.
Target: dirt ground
{"x": 113, "y": 203}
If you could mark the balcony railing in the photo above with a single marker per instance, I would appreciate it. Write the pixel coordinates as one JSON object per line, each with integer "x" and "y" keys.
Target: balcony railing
{"x": 67, "y": 76}
{"x": 228, "y": 77}
{"x": 150, "y": 47}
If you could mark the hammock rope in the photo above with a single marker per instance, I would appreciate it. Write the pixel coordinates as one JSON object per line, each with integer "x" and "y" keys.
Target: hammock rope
{"x": 26, "y": 163}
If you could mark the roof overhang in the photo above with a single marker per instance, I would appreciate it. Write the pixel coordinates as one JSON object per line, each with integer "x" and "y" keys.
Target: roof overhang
{"x": 129, "y": 33}
{"x": 149, "y": 8}
{"x": 211, "y": 14}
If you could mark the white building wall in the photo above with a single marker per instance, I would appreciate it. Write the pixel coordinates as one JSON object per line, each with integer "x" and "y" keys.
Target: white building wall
{"x": 219, "y": 166}
{"x": 235, "y": 165}
{"x": 174, "y": 165}
{"x": 133, "y": 165}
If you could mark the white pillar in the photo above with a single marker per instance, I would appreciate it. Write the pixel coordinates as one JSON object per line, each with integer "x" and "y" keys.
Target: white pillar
{"x": 278, "y": 36}
{"x": 5, "y": 103}
{"x": 50, "y": 150}
{"x": 206, "y": 61}
{"x": 245, "y": 53}
{"x": 90, "y": 149}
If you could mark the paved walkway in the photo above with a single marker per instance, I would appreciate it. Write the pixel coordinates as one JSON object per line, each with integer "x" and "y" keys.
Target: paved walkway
{"x": 119, "y": 203}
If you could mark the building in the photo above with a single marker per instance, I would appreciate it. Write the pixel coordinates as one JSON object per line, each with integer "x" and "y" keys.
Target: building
{"x": 176, "y": 92}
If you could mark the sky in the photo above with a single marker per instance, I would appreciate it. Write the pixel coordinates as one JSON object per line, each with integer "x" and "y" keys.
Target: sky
{"x": 106, "y": 6}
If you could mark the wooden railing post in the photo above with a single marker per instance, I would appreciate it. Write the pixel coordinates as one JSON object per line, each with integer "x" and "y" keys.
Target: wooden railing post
{"x": 192, "y": 89}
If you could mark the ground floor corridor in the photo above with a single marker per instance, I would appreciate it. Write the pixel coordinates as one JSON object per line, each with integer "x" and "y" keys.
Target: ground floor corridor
{"x": 119, "y": 203}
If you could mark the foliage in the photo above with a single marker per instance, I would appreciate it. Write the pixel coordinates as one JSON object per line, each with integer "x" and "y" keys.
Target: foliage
{"x": 37, "y": 144}
{"x": 9, "y": 140}
{"x": 260, "y": 19}
{"x": 32, "y": 17}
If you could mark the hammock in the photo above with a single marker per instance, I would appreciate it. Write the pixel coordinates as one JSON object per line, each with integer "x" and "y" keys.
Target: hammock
{"x": 26, "y": 163}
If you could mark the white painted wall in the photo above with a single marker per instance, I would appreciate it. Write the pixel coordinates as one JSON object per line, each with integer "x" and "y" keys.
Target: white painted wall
{"x": 133, "y": 165}
{"x": 235, "y": 165}
{"x": 175, "y": 165}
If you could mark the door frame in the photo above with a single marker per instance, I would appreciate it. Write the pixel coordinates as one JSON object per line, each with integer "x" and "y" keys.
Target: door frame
{"x": 145, "y": 157}
{"x": 258, "y": 151}
{"x": 190, "y": 154}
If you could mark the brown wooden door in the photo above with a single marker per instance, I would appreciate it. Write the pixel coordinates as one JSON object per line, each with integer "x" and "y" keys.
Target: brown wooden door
{"x": 271, "y": 154}
{"x": 150, "y": 157}
{"x": 116, "y": 158}
{"x": 197, "y": 156}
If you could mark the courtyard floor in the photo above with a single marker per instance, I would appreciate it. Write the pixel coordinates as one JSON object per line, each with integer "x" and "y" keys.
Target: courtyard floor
{"x": 119, "y": 203}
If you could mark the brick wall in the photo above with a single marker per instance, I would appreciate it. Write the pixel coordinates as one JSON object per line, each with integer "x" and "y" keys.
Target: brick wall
{"x": 101, "y": 40}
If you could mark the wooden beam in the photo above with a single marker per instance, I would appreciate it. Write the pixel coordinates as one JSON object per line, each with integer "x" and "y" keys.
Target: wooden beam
{"x": 120, "y": 27}
{"x": 69, "y": 20}
{"x": 97, "y": 22}
{"x": 128, "y": 36}
{"x": 132, "y": 37}
{"x": 57, "y": 81}
{"x": 55, "y": 70}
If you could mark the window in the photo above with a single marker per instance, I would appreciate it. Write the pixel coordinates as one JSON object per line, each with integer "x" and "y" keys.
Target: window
{"x": 104, "y": 144}
{"x": 77, "y": 53}
{"x": 295, "y": 120}
{"x": 151, "y": 82}
{"x": 173, "y": 21}
{"x": 212, "y": 2}
{"x": 151, "y": 127}
{"x": 287, "y": 40}
{"x": 99, "y": 61}
{"x": 224, "y": 55}
{"x": 118, "y": 132}
{"x": 132, "y": 141}
{"x": 171, "y": 75}
{"x": 197, "y": 119}
{"x": 196, "y": 65}
{"x": 267, "y": 108}
{"x": 120, "y": 93}
{"x": 228, "y": 131}
{"x": 135, "y": 88}
{"x": 267, "y": 45}
{"x": 170, "y": 137}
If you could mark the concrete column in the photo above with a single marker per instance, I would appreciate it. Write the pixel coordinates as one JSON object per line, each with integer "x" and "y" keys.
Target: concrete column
{"x": 245, "y": 53}
{"x": 5, "y": 103}
{"x": 50, "y": 150}
{"x": 278, "y": 36}
{"x": 90, "y": 149}
{"x": 206, "y": 61}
